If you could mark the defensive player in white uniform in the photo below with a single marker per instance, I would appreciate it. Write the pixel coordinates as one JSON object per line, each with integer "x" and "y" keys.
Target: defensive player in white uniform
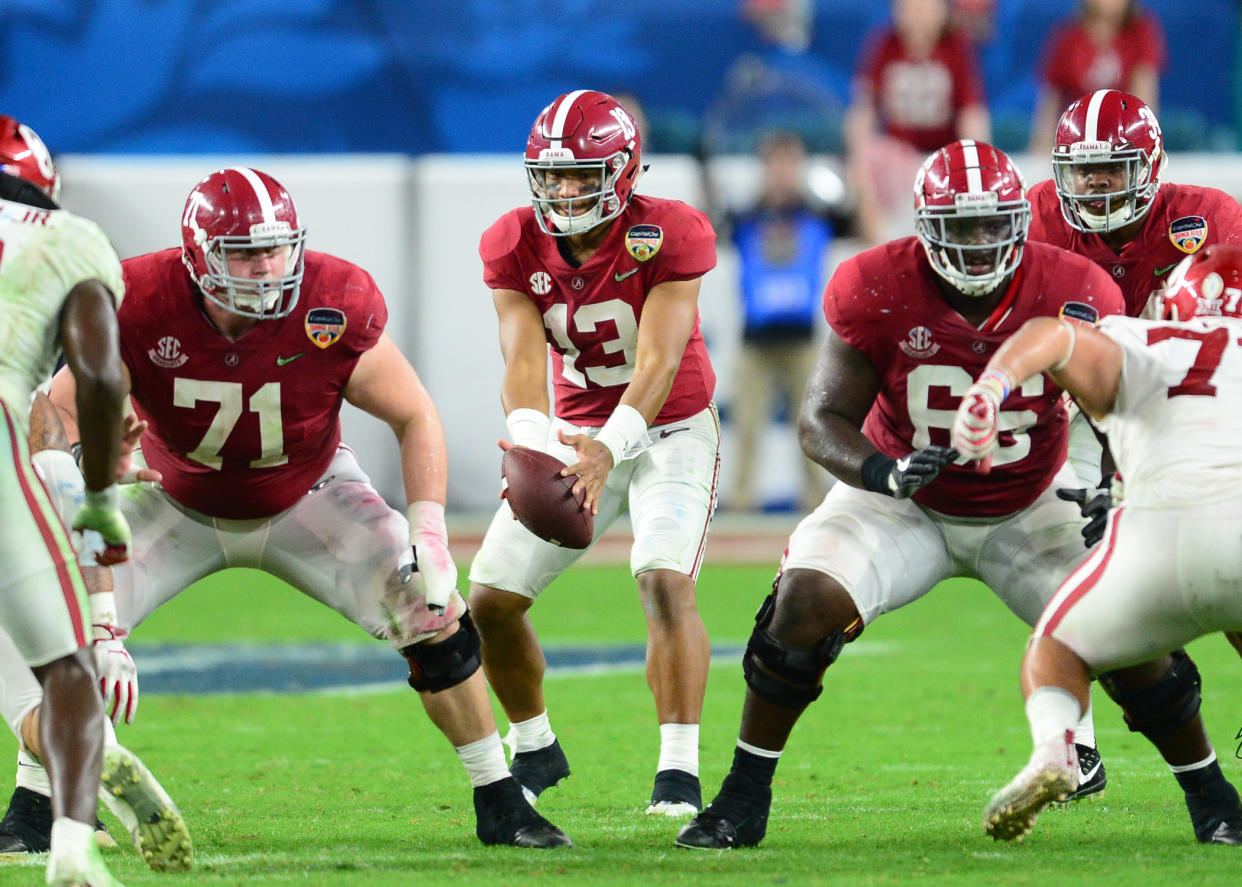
{"x": 1168, "y": 395}
{"x": 59, "y": 283}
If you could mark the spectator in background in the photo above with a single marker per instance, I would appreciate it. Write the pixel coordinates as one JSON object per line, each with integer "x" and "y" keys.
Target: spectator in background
{"x": 782, "y": 242}
{"x": 916, "y": 88}
{"x": 1109, "y": 44}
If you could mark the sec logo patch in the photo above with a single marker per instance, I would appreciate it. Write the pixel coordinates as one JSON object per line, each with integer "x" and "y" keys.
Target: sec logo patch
{"x": 324, "y": 325}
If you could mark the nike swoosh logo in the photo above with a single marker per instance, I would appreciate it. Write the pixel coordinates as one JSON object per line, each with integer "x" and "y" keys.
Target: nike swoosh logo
{"x": 670, "y": 430}
{"x": 903, "y": 464}
{"x": 1160, "y": 272}
{"x": 281, "y": 361}
{"x": 618, "y": 277}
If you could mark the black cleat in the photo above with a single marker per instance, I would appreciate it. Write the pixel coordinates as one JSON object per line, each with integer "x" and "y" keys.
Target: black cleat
{"x": 27, "y": 825}
{"x": 676, "y": 793}
{"x": 1091, "y": 776}
{"x": 1228, "y": 831}
{"x": 503, "y": 816}
{"x": 737, "y": 818}
{"x": 539, "y": 769}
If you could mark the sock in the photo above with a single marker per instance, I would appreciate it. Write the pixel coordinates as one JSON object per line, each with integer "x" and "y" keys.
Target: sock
{"x": 756, "y": 764}
{"x": 1051, "y": 711}
{"x": 1194, "y": 777}
{"x": 71, "y": 838}
{"x": 679, "y": 748}
{"x": 31, "y": 775}
{"x": 1084, "y": 730}
{"x": 484, "y": 760}
{"x": 531, "y": 735}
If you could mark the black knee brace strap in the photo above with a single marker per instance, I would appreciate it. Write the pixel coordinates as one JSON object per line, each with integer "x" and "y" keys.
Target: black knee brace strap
{"x": 1164, "y": 706}
{"x": 786, "y": 675}
{"x": 435, "y": 667}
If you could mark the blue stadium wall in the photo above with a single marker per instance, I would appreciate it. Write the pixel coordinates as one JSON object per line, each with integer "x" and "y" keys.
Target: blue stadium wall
{"x": 419, "y": 76}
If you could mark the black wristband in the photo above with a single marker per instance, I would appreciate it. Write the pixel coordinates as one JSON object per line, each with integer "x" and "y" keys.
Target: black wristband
{"x": 876, "y": 470}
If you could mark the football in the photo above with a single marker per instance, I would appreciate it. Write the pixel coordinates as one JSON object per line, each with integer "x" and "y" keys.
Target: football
{"x": 543, "y": 501}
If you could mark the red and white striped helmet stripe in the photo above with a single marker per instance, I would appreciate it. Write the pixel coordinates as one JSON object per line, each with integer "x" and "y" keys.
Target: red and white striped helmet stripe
{"x": 260, "y": 192}
{"x": 556, "y": 128}
{"x": 970, "y": 154}
{"x": 1091, "y": 128}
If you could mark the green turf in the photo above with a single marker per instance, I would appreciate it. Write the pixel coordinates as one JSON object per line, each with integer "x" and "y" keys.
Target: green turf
{"x": 883, "y": 782}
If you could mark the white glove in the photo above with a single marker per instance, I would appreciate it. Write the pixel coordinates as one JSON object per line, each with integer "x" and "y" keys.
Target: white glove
{"x": 975, "y": 425}
{"x": 432, "y": 559}
{"x": 118, "y": 676}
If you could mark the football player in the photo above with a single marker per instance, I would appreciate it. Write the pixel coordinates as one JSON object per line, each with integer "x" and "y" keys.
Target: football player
{"x": 609, "y": 282}
{"x": 239, "y": 347}
{"x": 912, "y": 323}
{"x": 60, "y": 281}
{"x": 1172, "y": 421}
{"x": 1106, "y": 201}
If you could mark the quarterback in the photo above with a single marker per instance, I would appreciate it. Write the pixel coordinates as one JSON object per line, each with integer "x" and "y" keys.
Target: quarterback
{"x": 608, "y": 282}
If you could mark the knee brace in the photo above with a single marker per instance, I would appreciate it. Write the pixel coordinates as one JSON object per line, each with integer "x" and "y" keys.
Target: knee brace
{"x": 786, "y": 675}
{"x": 1166, "y": 705}
{"x": 436, "y": 667}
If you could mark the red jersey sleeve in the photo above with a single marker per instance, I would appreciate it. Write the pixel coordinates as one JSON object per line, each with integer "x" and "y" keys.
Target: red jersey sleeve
{"x": 691, "y": 252}
{"x": 498, "y": 250}
{"x": 1145, "y": 38}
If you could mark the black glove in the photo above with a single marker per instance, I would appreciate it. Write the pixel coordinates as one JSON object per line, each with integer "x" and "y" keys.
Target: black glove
{"x": 902, "y": 478}
{"x": 1094, "y": 506}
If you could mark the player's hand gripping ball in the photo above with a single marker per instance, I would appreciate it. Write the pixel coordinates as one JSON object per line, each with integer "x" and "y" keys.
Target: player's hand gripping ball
{"x": 543, "y": 501}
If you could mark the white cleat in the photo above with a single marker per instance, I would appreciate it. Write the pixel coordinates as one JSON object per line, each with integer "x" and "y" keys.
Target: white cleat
{"x": 672, "y": 808}
{"x": 140, "y": 802}
{"x": 1051, "y": 775}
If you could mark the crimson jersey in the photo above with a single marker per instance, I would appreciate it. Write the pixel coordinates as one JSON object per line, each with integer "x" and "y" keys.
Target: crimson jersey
{"x": 591, "y": 313}
{"x": 886, "y": 303}
{"x": 243, "y": 429}
{"x": 1075, "y": 65}
{"x": 1182, "y": 219}
{"x": 918, "y": 99}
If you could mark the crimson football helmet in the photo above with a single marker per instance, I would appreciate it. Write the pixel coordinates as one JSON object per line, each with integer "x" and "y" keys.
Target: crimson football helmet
{"x": 1107, "y": 128}
{"x": 232, "y": 211}
{"x": 1206, "y": 284}
{"x": 23, "y": 154}
{"x": 592, "y": 135}
{"x": 972, "y": 215}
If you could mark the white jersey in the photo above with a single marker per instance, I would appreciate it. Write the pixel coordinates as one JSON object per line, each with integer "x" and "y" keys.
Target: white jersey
{"x": 43, "y": 255}
{"x": 1176, "y": 428}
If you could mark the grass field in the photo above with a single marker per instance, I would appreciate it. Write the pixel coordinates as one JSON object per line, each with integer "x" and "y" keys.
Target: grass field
{"x": 883, "y": 782}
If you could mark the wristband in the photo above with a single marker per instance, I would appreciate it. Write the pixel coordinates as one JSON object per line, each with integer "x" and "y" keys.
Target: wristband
{"x": 625, "y": 428}
{"x": 103, "y": 608}
{"x": 528, "y": 428}
{"x": 427, "y": 519}
{"x": 999, "y": 380}
{"x": 876, "y": 469}
{"x": 108, "y": 497}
